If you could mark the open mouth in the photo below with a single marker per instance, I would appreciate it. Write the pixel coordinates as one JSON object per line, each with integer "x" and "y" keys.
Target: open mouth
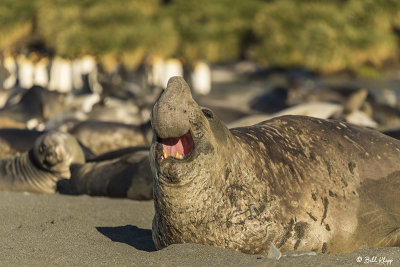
{"x": 177, "y": 147}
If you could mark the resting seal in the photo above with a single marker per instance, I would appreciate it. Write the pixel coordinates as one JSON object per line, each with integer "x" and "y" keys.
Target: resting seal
{"x": 127, "y": 175}
{"x": 103, "y": 136}
{"x": 296, "y": 182}
{"x": 46, "y": 164}
{"x": 36, "y": 104}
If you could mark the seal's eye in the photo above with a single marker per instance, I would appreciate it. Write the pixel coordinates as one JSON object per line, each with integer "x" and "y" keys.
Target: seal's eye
{"x": 208, "y": 113}
{"x": 42, "y": 148}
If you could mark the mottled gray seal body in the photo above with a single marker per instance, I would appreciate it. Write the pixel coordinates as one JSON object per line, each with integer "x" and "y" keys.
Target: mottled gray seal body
{"x": 101, "y": 136}
{"x": 36, "y": 103}
{"x": 296, "y": 182}
{"x": 127, "y": 176}
{"x": 40, "y": 169}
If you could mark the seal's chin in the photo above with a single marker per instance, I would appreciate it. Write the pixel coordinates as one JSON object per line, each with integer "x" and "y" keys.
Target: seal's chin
{"x": 178, "y": 148}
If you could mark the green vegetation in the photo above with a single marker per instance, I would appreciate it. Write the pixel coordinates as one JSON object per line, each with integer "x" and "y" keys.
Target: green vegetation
{"x": 214, "y": 30}
{"x": 326, "y": 36}
{"x": 16, "y": 20}
{"x": 116, "y": 27}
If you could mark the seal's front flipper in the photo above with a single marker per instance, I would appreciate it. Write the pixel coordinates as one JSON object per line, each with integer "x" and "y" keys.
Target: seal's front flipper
{"x": 379, "y": 211}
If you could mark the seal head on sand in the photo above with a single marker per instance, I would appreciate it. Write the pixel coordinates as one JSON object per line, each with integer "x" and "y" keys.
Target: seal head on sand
{"x": 42, "y": 167}
{"x": 55, "y": 152}
{"x": 296, "y": 182}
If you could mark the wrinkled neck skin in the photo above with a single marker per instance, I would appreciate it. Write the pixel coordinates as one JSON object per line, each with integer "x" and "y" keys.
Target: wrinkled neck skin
{"x": 184, "y": 192}
{"x": 208, "y": 201}
{"x": 22, "y": 174}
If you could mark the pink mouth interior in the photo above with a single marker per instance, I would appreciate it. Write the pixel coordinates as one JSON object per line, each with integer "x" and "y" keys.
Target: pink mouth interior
{"x": 177, "y": 146}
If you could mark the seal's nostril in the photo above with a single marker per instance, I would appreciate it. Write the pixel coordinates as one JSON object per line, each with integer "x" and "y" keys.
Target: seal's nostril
{"x": 50, "y": 160}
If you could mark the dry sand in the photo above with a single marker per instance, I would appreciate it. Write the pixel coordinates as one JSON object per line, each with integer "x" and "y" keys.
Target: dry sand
{"x": 48, "y": 230}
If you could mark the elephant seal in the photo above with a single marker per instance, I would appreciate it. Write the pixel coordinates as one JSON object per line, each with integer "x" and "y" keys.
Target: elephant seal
{"x": 15, "y": 141}
{"x": 295, "y": 182}
{"x": 126, "y": 176}
{"x": 113, "y": 154}
{"x": 103, "y": 136}
{"x": 45, "y": 165}
{"x": 322, "y": 110}
{"x": 37, "y": 103}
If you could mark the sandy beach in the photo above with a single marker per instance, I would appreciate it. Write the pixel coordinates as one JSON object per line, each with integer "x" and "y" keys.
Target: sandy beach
{"x": 44, "y": 230}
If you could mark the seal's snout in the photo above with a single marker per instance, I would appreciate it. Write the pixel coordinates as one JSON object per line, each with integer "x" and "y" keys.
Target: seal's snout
{"x": 56, "y": 151}
{"x": 171, "y": 120}
{"x": 170, "y": 114}
{"x": 50, "y": 155}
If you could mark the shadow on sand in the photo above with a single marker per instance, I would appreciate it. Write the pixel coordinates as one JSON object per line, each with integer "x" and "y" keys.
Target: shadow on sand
{"x": 129, "y": 234}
